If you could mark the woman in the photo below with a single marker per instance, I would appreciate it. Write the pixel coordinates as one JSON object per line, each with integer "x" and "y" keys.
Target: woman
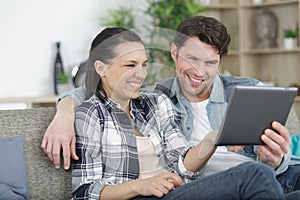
{"x": 130, "y": 144}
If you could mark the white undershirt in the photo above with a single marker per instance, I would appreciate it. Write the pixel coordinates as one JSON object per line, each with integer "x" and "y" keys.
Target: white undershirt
{"x": 221, "y": 159}
{"x": 148, "y": 161}
{"x": 201, "y": 125}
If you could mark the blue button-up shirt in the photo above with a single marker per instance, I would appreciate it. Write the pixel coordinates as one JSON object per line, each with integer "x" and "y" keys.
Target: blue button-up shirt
{"x": 216, "y": 108}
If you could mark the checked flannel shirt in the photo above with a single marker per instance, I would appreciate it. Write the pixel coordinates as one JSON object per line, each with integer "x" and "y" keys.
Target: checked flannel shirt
{"x": 106, "y": 144}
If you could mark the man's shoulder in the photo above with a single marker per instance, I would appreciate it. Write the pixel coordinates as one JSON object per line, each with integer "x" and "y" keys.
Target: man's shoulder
{"x": 164, "y": 86}
{"x": 229, "y": 81}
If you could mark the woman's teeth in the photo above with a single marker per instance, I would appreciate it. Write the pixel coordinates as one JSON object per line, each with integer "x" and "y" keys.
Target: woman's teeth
{"x": 134, "y": 84}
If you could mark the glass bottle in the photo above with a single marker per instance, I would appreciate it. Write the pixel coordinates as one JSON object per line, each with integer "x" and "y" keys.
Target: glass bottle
{"x": 58, "y": 69}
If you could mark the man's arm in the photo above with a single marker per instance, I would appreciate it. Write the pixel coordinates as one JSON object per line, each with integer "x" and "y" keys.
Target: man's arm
{"x": 60, "y": 134}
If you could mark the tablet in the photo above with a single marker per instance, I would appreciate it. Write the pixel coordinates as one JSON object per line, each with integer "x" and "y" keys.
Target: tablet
{"x": 252, "y": 109}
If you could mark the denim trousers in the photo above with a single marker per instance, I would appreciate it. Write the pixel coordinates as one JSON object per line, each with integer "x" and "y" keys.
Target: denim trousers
{"x": 290, "y": 179}
{"x": 249, "y": 180}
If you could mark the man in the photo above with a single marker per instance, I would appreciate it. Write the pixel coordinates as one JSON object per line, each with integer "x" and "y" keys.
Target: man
{"x": 200, "y": 95}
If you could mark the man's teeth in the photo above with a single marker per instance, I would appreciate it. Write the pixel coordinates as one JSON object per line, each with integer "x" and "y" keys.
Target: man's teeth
{"x": 195, "y": 80}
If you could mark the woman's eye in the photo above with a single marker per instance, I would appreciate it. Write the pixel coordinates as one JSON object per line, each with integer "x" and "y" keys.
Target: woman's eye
{"x": 130, "y": 65}
{"x": 145, "y": 65}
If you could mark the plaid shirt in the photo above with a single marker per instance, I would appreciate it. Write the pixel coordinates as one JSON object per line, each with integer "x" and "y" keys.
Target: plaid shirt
{"x": 106, "y": 144}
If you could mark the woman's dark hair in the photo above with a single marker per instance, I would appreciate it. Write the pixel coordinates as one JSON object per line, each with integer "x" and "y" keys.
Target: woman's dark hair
{"x": 103, "y": 49}
{"x": 207, "y": 29}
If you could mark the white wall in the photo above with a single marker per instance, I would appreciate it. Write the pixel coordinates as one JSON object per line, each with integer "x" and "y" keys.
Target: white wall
{"x": 29, "y": 30}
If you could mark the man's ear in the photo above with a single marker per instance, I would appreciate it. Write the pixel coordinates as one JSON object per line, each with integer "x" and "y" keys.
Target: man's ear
{"x": 99, "y": 68}
{"x": 173, "y": 51}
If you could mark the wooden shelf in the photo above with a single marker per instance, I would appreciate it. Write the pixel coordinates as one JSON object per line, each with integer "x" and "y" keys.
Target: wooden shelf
{"x": 269, "y": 3}
{"x": 278, "y": 65}
{"x": 271, "y": 51}
{"x": 25, "y": 103}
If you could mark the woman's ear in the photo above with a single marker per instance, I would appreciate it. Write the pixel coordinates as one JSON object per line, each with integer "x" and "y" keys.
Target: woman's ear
{"x": 99, "y": 68}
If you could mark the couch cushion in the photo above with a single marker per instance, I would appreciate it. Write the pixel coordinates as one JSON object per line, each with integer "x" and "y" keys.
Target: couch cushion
{"x": 295, "y": 145}
{"x": 44, "y": 181}
{"x": 13, "y": 179}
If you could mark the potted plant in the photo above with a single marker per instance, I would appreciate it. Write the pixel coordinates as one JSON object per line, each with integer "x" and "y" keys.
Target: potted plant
{"x": 166, "y": 15}
{"x": 64, "y": 84}
{"x": 291, "y": 38}
{"x": 120, "y": 16}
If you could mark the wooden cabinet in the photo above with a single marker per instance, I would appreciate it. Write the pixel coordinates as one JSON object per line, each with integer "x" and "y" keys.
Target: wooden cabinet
{"x": 277, "y": 65}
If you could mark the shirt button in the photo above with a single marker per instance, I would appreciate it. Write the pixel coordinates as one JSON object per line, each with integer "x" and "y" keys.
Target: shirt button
{"x": 188, "y": 128}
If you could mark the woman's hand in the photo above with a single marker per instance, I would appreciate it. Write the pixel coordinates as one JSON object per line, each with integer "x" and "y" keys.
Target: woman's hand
{"x": 159, "y": 185}
{"x": 235, "y": 148}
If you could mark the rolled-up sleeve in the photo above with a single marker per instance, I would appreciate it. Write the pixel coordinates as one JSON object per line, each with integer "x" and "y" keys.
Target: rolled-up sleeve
{"x": 177, "y": 145}
{"x": 78, "y": 94}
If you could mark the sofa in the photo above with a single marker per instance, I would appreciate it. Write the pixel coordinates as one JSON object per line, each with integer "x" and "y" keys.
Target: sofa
{"x": 44, "y": 181}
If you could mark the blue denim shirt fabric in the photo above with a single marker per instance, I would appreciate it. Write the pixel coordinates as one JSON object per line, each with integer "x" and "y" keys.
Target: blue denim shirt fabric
{"x": 216, "y": 108}
{"x": 78, "y": 94}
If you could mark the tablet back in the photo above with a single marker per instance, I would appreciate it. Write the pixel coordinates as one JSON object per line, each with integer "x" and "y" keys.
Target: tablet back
{"x": 251, "y": 110}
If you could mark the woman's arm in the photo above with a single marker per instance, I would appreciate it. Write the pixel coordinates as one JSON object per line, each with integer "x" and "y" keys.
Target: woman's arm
{"x": 198, "y": 156}
{"x": 195, "y": 158}
{"x": 158, "y": 186}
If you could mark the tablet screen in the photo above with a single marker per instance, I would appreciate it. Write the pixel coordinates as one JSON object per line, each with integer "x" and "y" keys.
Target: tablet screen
{"x": 251, "y": 110}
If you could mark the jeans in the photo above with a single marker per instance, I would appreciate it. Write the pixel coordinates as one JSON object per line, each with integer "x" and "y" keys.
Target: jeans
{"x": 290, "y": 179}
{"x": 245, "y": 181}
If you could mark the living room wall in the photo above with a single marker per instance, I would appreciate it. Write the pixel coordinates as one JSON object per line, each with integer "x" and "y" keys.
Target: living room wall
{"x": 29, "y": 30}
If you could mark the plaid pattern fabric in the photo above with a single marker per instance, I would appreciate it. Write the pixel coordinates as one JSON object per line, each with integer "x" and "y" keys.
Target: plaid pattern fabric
{"x": 106, "y": 144}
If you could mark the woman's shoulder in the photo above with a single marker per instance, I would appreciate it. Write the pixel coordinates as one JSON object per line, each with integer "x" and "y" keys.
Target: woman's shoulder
{"x": 90, "y": 105}
{"x": 158, "y": 99}
{"x": 148, "y": 94}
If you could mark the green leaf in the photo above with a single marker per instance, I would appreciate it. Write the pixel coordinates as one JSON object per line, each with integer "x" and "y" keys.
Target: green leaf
{"x": 63, "y": 77}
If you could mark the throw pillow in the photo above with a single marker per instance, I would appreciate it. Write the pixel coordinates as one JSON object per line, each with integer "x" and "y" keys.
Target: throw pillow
{"x": 13, "y": 178}
{"x": 295, "y": 145}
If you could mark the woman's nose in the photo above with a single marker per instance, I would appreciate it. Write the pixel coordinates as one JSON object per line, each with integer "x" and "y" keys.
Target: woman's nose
{"x": 140, "y": 72}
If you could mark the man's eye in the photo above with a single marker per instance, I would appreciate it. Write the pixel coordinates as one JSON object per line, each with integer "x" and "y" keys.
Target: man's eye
{"x": 211, "y": 63}
{"x": 130, "y": 65}
{"x": 145, "y": 65}
{"x": 192, "y": 58}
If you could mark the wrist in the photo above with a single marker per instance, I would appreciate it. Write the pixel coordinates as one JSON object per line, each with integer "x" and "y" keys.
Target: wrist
{"x": 135, "y": 187}
{"x": 66, "y": 107}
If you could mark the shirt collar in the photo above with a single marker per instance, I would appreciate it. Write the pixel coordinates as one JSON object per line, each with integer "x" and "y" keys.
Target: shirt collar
{"x": 175, "y": 89}
{"x": 136, "y": 105}
{"x": 217, "y": 93}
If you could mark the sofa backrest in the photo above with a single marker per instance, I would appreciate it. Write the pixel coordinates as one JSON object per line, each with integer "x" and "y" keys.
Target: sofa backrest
{"x": 44, "y": 181}
{"x": 293, "y": 123}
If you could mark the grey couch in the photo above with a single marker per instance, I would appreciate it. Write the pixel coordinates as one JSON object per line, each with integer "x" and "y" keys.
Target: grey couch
{"x": 44, "y": 181}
